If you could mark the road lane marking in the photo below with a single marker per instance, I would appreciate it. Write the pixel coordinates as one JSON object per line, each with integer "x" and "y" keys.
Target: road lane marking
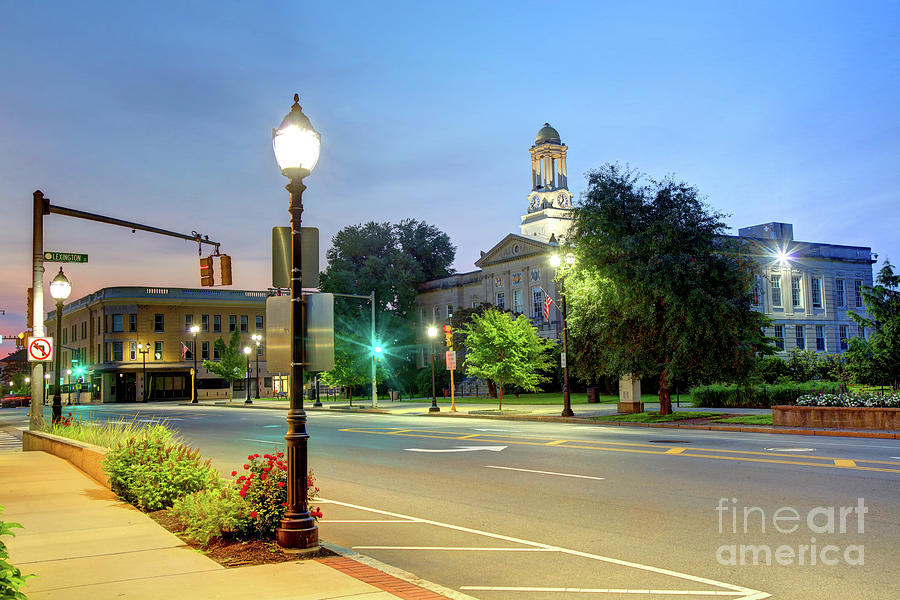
{"x": 572, "y": 590}
{"x": 368, "y": 521}
{"x": 461, "y": 548}
{"x": 260, "y": 441}
{"x": 843, "y": 462}
{"x": 273, "y": 425}
{"x": 458, "y": 449}
{"x": 555, "y": 442}
{"x": 746, "y": 593}
{"x": 792, "y": 449}
{"x": 545, "y": 472}
{"x": 675, "y": 450}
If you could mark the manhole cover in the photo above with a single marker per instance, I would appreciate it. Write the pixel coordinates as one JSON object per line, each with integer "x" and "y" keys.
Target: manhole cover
{"x": 669, "y": 442}
{"x": 791, "y": 449}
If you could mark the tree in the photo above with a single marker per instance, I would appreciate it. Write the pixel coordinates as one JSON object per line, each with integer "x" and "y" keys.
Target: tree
{"x": 348, "y": 371}
{"x": 657, "y": 289}
{"x": 506, "y": 350}
{"x": 232, "y": 364}
{"x": 883, "y": 351}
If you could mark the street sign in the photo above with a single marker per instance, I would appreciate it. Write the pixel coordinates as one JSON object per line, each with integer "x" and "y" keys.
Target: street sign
{"x": 319, "y": 333}
{"x": 68, "y": 257}
{"x": 451, "y": 360}
{"x": 562, "y": 360}
{"x": 281, "y": 257}
{"x": 40, "y": 349}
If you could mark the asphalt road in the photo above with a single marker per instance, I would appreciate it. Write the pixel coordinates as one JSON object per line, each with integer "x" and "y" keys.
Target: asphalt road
{"x": 503, "y": 509}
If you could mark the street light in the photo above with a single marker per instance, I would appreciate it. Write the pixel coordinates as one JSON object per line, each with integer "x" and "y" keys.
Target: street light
{"x": 296, "y": 144}
{"x": 195, "y": 329}
{"x": 247, "y": 375}
{"x": 144, "y": 349}
{"x": 60, "y": 288}
{"x": 256, "y": 337}
{"x": 432, "y": 332}
{"x": 46, "y": 386}
{"x": 555, "y": 263}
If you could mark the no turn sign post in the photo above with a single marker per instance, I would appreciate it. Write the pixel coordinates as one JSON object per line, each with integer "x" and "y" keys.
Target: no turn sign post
{"x": 40, "y": 349}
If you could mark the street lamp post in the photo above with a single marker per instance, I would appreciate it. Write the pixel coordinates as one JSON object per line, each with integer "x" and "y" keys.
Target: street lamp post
{"x": 46, "y": 386}
{"x": 555, "y": 262}
{"x": 258, "y": 339}
{"x": 296, "y": 144}
{"x": 60, "y": 288}
{"x": 247, "y": 375}
{"x": 432, "y": 332}
{"x": 144, "y": 349}
{"x": 195, "y": 329}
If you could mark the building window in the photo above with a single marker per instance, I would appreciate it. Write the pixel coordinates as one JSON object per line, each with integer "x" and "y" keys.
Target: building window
{"x": 501, "y": 300}
{"x": 259, "y": 349}
{"x": 187, "y": 350}
{"x": 259, "y": 322}
{"x": 795, "y": 292}
{"x": 842, "y": 335}
{"x": 132, "y": 350}
{"x": 117, "y": 325}
{"x": 435, "y": 314}
{"x": 820, "y": 338}
{"x": 449, "y": 310}
{"x": 537, "y": 302}
{"x": 117, "y": 351}
{"x": 857, "y": 291}
{"x": 204, "y": 323}
{"x": 839, "y": 298}
{"x": 861, "y": 331}
{"x": 74, "y": 333}
{"x": 518, "y": 303}
{"x": 157, "y": 351}
{"x": 779, "y": 337}
{"x": 158, "y": 323}
{"x": 815, "y": 288}
{"x": 65, "y": 333}
{"x": 188, "y": 322}
{"x": 776, "y": 290}
{"x": 215, "y": 352}
{"x": 217, "y": 323}
{"x": 232, "y": 323}
{"x": 132, "y": 322}
{"x": 204, "y": 350}
{"x": 83, "y": 329}
{"x": 798, "y": 333}
{"x": 245, "y": 324}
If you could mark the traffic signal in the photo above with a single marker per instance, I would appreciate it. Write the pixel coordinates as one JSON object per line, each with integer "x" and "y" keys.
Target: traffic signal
{"x": 448, "y": 336}
{"x": 29, "y": 309}
{"x": 206, "y": 272}
{"x": 225, "y": 266}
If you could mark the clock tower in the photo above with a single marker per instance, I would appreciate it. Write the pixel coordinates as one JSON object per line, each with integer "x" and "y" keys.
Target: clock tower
{"x": 550, "y": 201}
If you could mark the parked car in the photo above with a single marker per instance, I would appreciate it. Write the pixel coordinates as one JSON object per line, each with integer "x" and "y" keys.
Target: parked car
{"x": 14, "y": 401}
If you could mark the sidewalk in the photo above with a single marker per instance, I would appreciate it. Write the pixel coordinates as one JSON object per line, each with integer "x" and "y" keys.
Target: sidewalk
{"x": 84, "y": 544}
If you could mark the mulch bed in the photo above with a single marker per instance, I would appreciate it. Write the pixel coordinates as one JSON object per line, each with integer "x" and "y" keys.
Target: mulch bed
{"x": 237, "y": 553}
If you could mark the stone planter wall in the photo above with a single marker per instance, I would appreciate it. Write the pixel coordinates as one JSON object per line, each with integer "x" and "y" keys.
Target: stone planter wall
{"x": 86, "y": 457}
{"x": 836, "y": 416}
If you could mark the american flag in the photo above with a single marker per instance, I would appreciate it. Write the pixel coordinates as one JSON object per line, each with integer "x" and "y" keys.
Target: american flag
{"x": 184, "y": 350}
{"x": 547, "y": 302}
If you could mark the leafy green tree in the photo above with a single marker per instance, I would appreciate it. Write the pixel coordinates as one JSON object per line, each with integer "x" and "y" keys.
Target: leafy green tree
{"x": 506, "y": 350}
{"x": 657, "y": 288}
{"x": 232, "y": 363}
{"x": 804, "y": 364}
{"x": 882, "y": 302}
{"x": 349, "y": 370}
{"x": 863, "y": 361}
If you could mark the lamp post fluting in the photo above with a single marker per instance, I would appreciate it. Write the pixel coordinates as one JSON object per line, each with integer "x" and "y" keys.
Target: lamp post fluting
{"x": 569, "y": 261}
{"x": 144, "y": 349}
{"x": 195, "y": 329}
{"x": 432, "y": 332}
{"x": 296, "y": 144}
{"x": 258, "y": 339}
{"x": 60, "y": 288}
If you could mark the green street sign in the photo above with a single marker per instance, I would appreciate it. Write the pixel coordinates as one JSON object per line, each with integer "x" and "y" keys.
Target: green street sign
{"x": 69, "y": 257}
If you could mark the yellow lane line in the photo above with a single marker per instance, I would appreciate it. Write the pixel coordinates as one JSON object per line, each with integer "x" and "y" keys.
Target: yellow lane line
{"x": 556, "y": 442}
{"x": 844, "y": 462}
{"x": 468, "y": 437}
{"x": 675, "y": 450}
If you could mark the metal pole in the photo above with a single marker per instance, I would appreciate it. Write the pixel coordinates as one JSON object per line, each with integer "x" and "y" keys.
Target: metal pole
{"x": 374, "y": 385}
{"x": 434, "y": 406}
{"x": 194, "y": 374}
{"x": 57, "y": 397}
{"x": 36, "y": 419}
{"x": 298, "y": 528}
{"x": 247, "y": 380}
{"x": 144, "y": 376}
{"x": 567, "y": 406}
{"x": 257, "y": 370}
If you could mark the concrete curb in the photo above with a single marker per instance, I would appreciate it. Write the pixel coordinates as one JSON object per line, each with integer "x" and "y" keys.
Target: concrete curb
{"x": 87, "y": 457}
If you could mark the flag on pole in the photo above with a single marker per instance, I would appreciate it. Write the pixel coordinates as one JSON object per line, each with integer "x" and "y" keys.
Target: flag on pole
{"x": 184, "y": 350}
{"x": 547, "y": 302}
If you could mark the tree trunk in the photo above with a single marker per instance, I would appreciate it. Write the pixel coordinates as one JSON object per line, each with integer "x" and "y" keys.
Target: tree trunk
{"x": 500, "y": 393}
{"x": 665, "y": 398}
{"x": 492, "y": 388}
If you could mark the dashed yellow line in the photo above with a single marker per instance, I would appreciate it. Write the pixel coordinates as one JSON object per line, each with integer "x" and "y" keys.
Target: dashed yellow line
{"x": 709, "y": 453}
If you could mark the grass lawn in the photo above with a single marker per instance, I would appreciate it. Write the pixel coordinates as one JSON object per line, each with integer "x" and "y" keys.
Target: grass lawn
{"x": 748, "y": 420}
{"x": 655, "y": 417}
{"x": 538, "y": 398}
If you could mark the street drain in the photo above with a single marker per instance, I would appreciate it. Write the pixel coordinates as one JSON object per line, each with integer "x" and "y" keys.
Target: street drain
{"x": 669, "y": 442}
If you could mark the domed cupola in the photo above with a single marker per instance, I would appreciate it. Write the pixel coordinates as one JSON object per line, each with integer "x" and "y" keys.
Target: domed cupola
{"x": 549, "y": 201}
{"x": 547, "y": 134}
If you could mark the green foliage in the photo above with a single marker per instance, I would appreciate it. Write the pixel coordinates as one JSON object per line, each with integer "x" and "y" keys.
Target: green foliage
{"x": 506, "y": 350}
{"x": 804, "y": 364}
{"x": 441, "y": 378}
{"x": 878, "y": 360}
{"x": 232, "y": 363}
{"x": 855, "y": 400}
{"x": 11, "y": 578}
{"x": 657, "y": 289}
{"x": 656, "y": 417}
{"x": 755, "y": 396}
{"x": 349, "y": 368}
{"x": 748, "y": 420}
{"x": 772, "y": 368}
{"x": 151, "y": 469}
{"x": 100, "y": 433}
{"x": 212, "y": 513}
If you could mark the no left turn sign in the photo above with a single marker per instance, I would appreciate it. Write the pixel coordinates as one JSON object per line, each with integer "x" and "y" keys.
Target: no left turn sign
{"x": 40, "y": 349}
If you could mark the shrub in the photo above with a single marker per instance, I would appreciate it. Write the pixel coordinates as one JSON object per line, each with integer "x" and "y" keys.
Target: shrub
{"x": 754, "y": 396}
{"x": 152, "y": 469}
{"x": 11, "y": 578}
{"x": 212, "y": 513}
{"x": 851, "y": 400}
{"x": 771, "y": 368}
{"x": 99, "y": 433}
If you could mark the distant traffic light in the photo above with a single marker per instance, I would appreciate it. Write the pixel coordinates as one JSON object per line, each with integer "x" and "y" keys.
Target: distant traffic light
{"x": 448, "y": 336}
{"x": 225, "y": 266}
{"x": 206, "y": 272}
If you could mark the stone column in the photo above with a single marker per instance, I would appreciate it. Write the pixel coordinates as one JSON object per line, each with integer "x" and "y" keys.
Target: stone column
{"x": 630, "y": 394}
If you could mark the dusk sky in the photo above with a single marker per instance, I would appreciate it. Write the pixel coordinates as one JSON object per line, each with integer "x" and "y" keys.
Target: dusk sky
{"x": 162, "y": 113}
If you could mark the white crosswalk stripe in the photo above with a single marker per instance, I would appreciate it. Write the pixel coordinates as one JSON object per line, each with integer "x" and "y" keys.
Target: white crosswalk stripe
{"x": 9, "y": 443}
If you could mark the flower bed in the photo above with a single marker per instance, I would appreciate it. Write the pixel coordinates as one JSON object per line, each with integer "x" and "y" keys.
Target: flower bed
{"x": 848, "y": 400}
{"x": 837, "y": 416}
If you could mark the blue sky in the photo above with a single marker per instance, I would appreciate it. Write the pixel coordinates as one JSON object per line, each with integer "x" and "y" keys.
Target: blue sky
{"x": 162, "y": 113}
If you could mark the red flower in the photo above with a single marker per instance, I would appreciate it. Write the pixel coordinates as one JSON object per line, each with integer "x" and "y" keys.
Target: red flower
{"x": 233, "y": 473}
{"x": 281, "y": 484}
{"x": 253, "y": 514}
{"x": 246, "y": 466}
{"x": 249, "y": 457}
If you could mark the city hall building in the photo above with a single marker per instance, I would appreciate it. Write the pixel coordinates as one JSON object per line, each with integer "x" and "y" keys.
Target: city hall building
{"x": 806, "y": 288}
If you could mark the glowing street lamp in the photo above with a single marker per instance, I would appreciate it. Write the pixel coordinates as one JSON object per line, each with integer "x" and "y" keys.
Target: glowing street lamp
{"x": 256, "y": 337}
{"x": 60, "y": 288}
{"x": 195, "y": 329}
{"x": 432, "y": 333}
{"x": 247, "y": 375}
{"x": 296, "y": 144}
